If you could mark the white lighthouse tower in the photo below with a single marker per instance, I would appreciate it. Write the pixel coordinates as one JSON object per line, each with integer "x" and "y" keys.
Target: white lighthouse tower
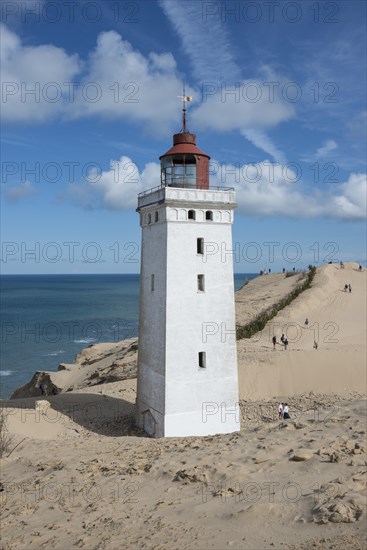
{"x": 187, "y": 358}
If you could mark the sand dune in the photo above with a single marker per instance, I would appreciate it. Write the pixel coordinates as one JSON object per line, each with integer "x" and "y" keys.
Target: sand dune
{"x": 83, "y": 476}
{"x": 274, "y": 484}
{"x": 337, "y": 322}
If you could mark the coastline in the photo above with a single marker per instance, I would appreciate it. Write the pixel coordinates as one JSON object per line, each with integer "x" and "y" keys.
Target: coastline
{"x": 263, "y": 374}
{"x": 50, "y": 319}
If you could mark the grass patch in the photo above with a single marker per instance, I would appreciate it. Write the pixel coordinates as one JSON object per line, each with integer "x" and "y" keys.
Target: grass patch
{"x": 260, "y": 320}
{"x": 6, "y": 438}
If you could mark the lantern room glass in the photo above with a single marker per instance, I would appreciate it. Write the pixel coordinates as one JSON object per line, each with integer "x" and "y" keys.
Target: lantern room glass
{"x": 179, "y": 171}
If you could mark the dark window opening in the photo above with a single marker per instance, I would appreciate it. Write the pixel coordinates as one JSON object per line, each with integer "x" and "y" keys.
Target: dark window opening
{"x": 156, "y": 216}
{"x": 202, "y": 359}
{"x": 201, "y": 283}
{"x": 200, "y": 246}
{"x": 209, "y": 215}
{"x": 152, "y": 283}
{"x": 191, "y": 214}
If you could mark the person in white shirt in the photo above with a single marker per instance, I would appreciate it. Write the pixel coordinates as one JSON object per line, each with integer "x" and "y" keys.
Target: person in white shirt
{"x": 286, "y": 412}
{"x": 280, "y": 410}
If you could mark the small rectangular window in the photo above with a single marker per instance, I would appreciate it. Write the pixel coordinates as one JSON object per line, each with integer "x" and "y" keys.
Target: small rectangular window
{"x": 152, "y": 283}
{"x": 201, "y": 283}
{"x": 200, "y": 246}
{"x": 202, "y": 359}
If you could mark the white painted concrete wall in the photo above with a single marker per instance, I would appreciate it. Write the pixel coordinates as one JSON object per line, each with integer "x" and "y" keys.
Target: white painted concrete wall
{"x": 152, "y": 323}
{"x": 177, "y": 321}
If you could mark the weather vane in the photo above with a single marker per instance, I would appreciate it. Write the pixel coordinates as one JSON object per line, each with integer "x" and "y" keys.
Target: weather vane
{"x": 185, "y": 99}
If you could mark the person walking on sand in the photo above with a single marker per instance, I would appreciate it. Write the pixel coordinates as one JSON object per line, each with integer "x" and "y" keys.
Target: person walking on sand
{"x": 280, "y": 410}
{"x": 274, "y": 340}
{"x": 306, "y": 321}
{"x": 345, "y": 288}
{"x": 350, "y": 288}
{"x": 286, "y": 412}
{"x": 315, "y": 345}
{"x": 285, "y": 344}
{"x": 282, "y": 338}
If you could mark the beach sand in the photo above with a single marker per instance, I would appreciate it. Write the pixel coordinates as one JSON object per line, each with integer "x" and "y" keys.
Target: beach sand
{"x": 83, "y": 476}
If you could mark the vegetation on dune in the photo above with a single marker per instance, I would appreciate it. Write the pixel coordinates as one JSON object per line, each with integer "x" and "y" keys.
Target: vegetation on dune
{"x": 248, "y": 330}
{"x": 5, "y": 437}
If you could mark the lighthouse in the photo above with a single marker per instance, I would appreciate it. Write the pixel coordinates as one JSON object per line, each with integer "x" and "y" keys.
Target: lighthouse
{"x": 187, "y": 357}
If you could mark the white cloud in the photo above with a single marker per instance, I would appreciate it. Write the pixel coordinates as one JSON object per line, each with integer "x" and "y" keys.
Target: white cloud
{"x": 130, "y": 85}
{"x": 118, "y": 81}
{"x": 248, "y": 108}
{"x": 327, "y": 147}
{"x": 22, "y": 191}
{"x": 33, "y": 68}
{"x": 116, "y": 188}
{"x": 323, "y": 152}
{"x": 206, "y": 43}
{"x": 228, "y": 102}
{"x": 350, "y": 202}
{"x": 262, "y": 141}
{"x": 120, "y": 185}
{"x": 263, "y": 189}
{"x": 115, "y": 81}
{"x": 267, "y": 189}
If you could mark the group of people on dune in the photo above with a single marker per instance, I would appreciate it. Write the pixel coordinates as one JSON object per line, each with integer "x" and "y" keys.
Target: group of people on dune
{"x": 283, "y": 411}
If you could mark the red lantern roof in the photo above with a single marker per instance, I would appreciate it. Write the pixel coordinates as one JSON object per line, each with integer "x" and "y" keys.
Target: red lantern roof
{"x": 184, "y": 143}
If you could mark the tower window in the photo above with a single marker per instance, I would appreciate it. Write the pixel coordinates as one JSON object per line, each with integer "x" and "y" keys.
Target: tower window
{"x": 156, "y": 216}
{"x": 209, "y": 215}
{"x": 201, "y": 283}
{"x": 202, "y": 359}
{"x": 191, "y": 215}
{"x": 152, "y": 283}
{"x": 200, "y": 246}
{"x": 149, "y": 218}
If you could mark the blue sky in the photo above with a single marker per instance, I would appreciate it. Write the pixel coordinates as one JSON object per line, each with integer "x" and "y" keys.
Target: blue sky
{"x": 89, "y": 103}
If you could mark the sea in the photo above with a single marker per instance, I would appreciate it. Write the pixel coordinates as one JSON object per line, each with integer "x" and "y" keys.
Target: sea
{"x": 48, "y": 319}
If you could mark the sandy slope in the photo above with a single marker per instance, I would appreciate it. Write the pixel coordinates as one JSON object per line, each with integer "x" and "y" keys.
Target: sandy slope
{"x": 337, "y": 321}
{"x": 83, "y": 476}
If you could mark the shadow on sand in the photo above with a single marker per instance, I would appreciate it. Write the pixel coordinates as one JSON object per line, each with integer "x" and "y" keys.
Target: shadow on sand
{"x": 100, "y": 414}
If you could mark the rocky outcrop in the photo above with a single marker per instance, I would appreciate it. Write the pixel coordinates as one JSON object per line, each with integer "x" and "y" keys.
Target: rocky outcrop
{"x": 33, "y": 387}
{"x": 97, "y": 364}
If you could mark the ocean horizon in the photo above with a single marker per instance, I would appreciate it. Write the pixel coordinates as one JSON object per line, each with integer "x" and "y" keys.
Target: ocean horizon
{"x": 48, "y": 319}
